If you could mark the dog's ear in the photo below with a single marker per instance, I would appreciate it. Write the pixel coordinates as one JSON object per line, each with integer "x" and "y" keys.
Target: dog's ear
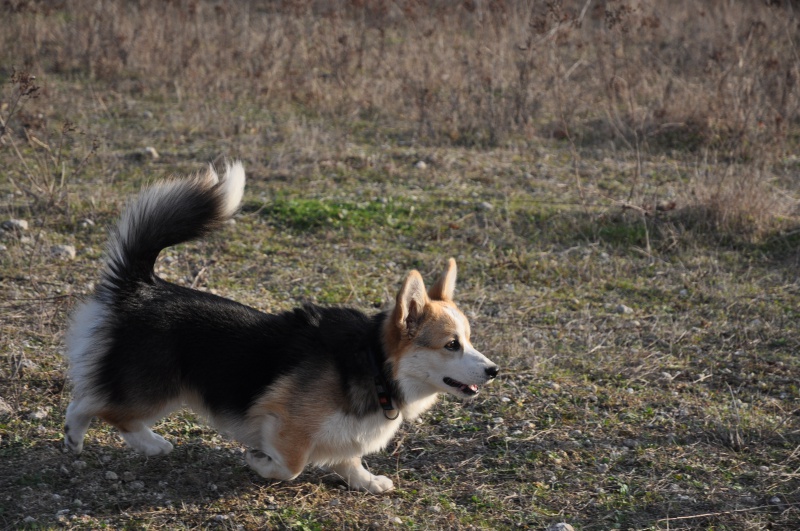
{"x": 446, "y": 285}
{"x": 411, "y": 302}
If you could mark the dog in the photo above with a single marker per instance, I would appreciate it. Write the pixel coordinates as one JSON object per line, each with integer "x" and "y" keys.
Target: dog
{"x": 315, "y": 385}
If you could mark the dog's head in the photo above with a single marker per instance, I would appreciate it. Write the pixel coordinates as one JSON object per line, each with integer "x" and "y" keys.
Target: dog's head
{"x": 429, "y": 341}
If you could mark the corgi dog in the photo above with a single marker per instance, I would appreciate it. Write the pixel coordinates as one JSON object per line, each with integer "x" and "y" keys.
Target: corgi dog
{"x": 315, "y": 385}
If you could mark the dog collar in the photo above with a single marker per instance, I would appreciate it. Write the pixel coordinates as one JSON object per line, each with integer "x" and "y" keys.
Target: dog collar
{"x": 381, "y": 386}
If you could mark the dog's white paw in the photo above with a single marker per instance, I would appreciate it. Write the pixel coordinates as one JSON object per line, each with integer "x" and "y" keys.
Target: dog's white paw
{"x": 357, "y": 477}
{"x": 72, "y": 446}
{"x": 375, "y": 485}
{"x": 257, "y": 460}
{"x": 159, "y": 446}
{"x": 148, "y": 443}
{"x": 267, "y": 467}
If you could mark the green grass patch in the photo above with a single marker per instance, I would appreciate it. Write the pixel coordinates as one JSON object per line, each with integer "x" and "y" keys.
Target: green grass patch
{"x": 315, "y": 214}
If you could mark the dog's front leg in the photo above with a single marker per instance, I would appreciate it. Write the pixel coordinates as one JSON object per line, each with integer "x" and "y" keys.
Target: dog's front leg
{"x": 357, "y": 477}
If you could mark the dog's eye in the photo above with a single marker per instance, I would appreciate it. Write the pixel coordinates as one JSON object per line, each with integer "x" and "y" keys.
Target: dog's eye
{"x": 453, "y": 345}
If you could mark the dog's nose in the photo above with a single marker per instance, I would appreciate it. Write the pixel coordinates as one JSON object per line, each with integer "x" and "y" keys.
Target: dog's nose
{"x": 492, "y": 371}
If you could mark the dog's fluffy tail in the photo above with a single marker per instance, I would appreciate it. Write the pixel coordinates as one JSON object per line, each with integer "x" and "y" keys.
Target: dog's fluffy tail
{"x": 169, "y": 213}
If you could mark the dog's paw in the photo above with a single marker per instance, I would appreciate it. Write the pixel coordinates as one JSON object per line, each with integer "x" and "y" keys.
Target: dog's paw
{"x": 375, "y": 485}
{"x": 148, "y": 443}
{"x": 256, "y": 458}
{"x": 72, "y": 446}
{"x": 159, "y": 446}
{"x": 270, "y": 468}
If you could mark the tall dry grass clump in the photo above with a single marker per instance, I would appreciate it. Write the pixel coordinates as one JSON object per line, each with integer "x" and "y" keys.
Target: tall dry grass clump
{"x": 690, "y": 77}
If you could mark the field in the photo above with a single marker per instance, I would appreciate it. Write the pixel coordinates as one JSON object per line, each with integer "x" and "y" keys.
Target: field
{"x": 618, "y": 182}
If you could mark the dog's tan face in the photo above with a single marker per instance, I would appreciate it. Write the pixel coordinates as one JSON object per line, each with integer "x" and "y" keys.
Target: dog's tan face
{"x": 430, "y": 341}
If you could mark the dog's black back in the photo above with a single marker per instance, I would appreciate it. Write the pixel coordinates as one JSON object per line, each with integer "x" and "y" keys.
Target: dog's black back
{"x": 229, "y": 353}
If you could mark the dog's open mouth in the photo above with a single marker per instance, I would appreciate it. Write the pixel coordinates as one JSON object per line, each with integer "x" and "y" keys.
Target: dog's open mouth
{"x": 469, "y": 390}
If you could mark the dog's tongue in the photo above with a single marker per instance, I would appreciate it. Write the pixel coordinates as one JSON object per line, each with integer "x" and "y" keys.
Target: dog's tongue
{"x": 473, "y": 388}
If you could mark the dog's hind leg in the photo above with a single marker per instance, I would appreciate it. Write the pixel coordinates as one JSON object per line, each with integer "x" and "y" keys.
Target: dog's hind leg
{"x": 359, "y": 478}
{"x": 270, "y": 467}
{"x": 283, "y": 451}
{"x": 79, "y": 414}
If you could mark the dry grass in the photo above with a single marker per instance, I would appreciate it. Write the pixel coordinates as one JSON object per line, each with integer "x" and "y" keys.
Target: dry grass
{"x": 716, "y": 79}
{"x": 581, "y": 158}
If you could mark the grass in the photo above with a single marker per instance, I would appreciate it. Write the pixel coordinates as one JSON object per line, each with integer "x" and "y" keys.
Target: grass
{"x": 669, "y": 190}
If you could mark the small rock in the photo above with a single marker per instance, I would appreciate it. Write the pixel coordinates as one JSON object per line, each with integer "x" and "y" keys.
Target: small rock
{"x": 498, "y": 420}
{"x": 575, "y": 434}
{"x": 621, "y": 308}
{"x": 56, "y": 497}
{"x": 763, "y": 469}
{"x": 683, "y": 293}
{"x": 28, "y": 520}
{"x": 485, "y": 205}
{"x": 5, "y": 408}
{"x": 28, "y": 364}
{"x": 39, "y": 414}
{"x": 555, "y": 386}
{"x": 79, "y": 465}
{"x": 435, "y": 509}
{"x": 3, "y": 248}
{"x": 111, "y": 476}
{"x": 136, "y": 485}
{"x": 64, "y": 252}
{"x": 396, "y": 520}
{"x": 421, "y": 165}
{"x": 561, "y": 526}
{"x": 15, "y": 225}
{"x": 505, "y": 399}
{"x": 86, "y": 223}
{"x": 221, "y": 518}
{"x": 749, "y": 500}
{"x": 150, "y": 150}
{"x": 334, "y": 502}
{"x": 630, "y": 443}
{"x": 128, "y": 476}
